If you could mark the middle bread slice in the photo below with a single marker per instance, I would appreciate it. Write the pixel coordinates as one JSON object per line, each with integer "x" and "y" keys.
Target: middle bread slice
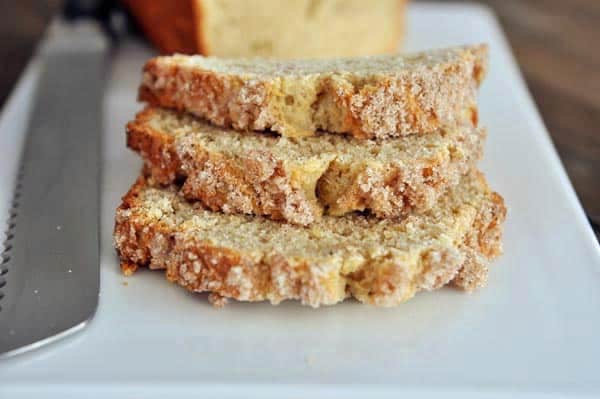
{"x": 299, "y": 179}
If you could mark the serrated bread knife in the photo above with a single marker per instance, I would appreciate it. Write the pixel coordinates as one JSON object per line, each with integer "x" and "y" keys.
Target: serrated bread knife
{"x": 49, "y": 277}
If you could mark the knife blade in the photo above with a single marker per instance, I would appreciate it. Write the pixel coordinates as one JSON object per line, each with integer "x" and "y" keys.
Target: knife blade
{"x": 49, "y": 278}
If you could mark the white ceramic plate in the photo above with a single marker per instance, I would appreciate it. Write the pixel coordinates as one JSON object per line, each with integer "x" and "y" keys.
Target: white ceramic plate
{"x": 531, "y": 333}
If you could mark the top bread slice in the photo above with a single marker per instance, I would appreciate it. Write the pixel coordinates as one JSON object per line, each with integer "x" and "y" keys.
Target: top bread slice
{"x": 380, "y": 262}
{"x": 366, "y": 97}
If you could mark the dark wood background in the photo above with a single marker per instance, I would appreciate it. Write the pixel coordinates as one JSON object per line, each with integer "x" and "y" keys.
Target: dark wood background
{"x": 557, "y": 43}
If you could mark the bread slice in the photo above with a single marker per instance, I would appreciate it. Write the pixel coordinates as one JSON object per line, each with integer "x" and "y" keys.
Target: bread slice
{"x": 298, "y": 179}
{"x": 368, "y": 97}
{"x": 247, "y": 28}
{"x": 380, "y": 262}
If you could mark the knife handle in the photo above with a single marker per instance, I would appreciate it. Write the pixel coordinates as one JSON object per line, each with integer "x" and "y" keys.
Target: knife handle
{"x": 108, "y": 13}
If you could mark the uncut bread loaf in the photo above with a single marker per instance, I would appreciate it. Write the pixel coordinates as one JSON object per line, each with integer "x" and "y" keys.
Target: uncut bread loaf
{"x": 380, "y": 262}
{"x": 247, "y": 28}
{"x": 366, "y": 97}
{"x": 299, "y": 179}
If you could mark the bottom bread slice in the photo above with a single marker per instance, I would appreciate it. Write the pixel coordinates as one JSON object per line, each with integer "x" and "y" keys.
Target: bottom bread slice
{"x": 380, "y": 262}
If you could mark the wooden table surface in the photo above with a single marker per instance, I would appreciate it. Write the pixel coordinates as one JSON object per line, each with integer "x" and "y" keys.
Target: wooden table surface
{"x": 556, "y": 43}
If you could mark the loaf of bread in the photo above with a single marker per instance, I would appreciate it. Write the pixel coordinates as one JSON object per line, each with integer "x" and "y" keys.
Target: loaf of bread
{"x": 367, "y": 97}
{"x": 250, "y": 258}
{"x": 296, "y": 180}
{"x": 272, "y": 28}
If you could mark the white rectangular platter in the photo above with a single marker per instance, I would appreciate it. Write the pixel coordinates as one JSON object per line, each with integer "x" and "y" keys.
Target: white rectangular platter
{"x": 533, "y": 332}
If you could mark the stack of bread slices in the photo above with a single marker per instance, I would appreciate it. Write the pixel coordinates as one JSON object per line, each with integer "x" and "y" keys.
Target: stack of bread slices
{"x": 314, "y": 180}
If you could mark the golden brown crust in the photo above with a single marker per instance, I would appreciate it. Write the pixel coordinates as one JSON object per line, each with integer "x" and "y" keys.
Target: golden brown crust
{"x": 166, "y": 23}
{"x": 260, "y": 183}
{"x": 418, "y": 99}
{"x": 200, "y": 26}
{"x": 200, "y": 264}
